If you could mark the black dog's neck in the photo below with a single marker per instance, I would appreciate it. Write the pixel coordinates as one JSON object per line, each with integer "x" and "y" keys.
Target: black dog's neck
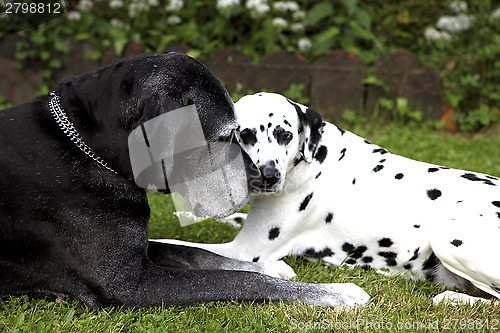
{"x": 71, "y": 132}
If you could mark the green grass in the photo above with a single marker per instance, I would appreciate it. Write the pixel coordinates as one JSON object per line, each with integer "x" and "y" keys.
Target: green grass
{"x": 397, "y": 301}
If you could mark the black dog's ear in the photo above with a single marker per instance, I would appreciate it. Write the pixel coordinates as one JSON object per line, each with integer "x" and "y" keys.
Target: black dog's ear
{"x": 312, "y": 129}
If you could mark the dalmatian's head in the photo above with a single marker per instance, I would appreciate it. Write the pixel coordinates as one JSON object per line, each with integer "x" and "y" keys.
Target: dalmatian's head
{"x": 276, "y": 133}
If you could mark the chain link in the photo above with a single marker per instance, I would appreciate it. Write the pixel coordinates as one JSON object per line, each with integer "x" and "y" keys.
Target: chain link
{"x": 69, "y": 129}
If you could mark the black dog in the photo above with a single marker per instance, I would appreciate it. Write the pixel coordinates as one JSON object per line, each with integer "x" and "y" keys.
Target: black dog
{"x": 73, "y": 221}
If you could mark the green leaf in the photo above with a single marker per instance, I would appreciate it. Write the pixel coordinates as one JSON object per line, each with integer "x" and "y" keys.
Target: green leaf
{"x": 119, "y": 45}
{"x": 324, "y": 41}
{"x": 350, "y": 5}
{"x": 319, "y": 12}
{"x": 60, "y": 46}
{"x": 55, "y": 63}
{"x": 44, "y": 55}
{"x": 69, "y": 315}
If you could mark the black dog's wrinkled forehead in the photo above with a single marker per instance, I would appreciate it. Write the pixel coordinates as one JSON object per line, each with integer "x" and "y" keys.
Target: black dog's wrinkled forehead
{"x": 177, "y": 80}
{"x": 152, "y": 84}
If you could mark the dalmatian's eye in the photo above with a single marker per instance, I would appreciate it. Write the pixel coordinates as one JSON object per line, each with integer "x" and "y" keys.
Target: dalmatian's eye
{"x": 286, "y": 137}
{"x": 248, "y": 136}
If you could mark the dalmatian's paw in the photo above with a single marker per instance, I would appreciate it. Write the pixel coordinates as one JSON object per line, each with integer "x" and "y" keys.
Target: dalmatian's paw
{"x": 279, "y": 269}
{"x": 340, "y": 295}
{"x": 456, "y": 298}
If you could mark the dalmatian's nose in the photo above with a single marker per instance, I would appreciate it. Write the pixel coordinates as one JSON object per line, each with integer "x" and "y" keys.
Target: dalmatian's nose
{"x": 270, "y": 174}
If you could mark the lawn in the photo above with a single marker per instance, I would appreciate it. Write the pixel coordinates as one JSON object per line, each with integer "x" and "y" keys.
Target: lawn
{"x": 399, "y": 304}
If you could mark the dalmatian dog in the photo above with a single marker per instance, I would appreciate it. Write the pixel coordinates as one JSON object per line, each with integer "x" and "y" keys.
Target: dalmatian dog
{"x": 335, "y": 196}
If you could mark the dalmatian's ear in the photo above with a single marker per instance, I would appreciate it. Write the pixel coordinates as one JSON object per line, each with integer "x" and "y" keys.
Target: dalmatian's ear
{"x": 312, "y": 129}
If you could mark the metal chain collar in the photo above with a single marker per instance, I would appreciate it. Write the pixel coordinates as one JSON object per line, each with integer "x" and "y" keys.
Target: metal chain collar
{"x": 69, "y": 129}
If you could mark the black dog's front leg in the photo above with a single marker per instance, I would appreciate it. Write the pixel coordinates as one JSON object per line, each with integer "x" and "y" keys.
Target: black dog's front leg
{"x": 183, "y": 287}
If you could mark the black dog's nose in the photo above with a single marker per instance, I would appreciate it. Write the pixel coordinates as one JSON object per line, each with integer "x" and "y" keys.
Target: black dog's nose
{"x": 270, "y": 175}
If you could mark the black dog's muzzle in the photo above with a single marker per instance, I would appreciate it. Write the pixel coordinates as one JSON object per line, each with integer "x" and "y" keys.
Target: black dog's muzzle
{"x": 170, "y": 153}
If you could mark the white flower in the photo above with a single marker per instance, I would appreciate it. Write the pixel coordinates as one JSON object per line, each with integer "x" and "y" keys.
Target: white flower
{"x": 114, "y": 4}
{"x": 223, "y": 4}
{"x": 280, "y": 23}
{"x": 455, "y": 24}
{"x": 74, "y": 16}
{"x": 257, "y": 7}
{"x": 304, "y": 44}
{"x": 153, "y": 3}
{"x": 299, "y": 15}
{"x": 174, "y": 5}
{"x": 298, "y": 27}
{"x": 458, "y": 6}
{"x": 495, "y": 14}
{"x": 433, "y": 34}
{"x": 286, "y": 5}
{"x": 174, "y": 19}
{"x": 117, "y": 23}
{"x": 135, "y": 8}
{"x": 85, "y": 6}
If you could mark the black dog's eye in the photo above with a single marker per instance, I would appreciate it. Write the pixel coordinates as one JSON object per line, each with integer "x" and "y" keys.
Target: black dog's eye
{"x": 227, "y": 138}
{"x": 248, "y": 136}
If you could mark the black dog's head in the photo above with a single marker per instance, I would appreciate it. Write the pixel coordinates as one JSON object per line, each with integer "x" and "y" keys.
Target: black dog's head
{"x": 107, "y": 105}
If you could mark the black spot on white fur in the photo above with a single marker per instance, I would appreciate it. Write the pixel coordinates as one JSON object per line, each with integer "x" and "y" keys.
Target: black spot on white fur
{"x": 385, "y": 242}
{"x": 321, "y": 153}
{"x": 475, "y": 178}
{"x": 342, "y": 153}
{"x": 317, "y": 176}
{"x": 415, "y": 254}
{"x": 430, "y": 170}
{"x": 305, "y": 202}
{"x": 255, "y": 259}
{"x": 341, "y": 130}
{"x": 430, "y": 266}
{"x": 352, "y": 251}
{"x": 326, "y": 252}
{"x": 399, "y": 176}
{"x": 456, "y": 242}
{"x": 380, "y": 150}
{"x": 274, "y": 233}
{"x": 378, "y": 168}
{"x": 434, "y": 194}
{"x": 367, "y": 259}
{"x": 329, "y": 218}
{"x": 496, "y": 203}
{"x": 390, "y": 257}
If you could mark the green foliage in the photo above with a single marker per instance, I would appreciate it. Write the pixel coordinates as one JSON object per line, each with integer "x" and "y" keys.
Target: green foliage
{"x": 397, "y": 111}
{"x": 4, "y": 104}
{"x": 464, "y": 51}
{"x": 465, "y": 46}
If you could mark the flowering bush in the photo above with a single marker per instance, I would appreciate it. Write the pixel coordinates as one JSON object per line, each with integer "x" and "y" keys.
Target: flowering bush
{"x": 257, "y": 27}
{"x": 465, "y": 46}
